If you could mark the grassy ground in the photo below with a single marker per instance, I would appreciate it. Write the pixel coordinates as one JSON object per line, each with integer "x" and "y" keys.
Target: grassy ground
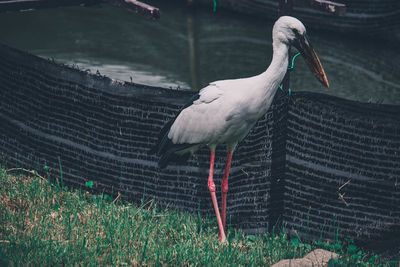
{"x": 44, "y": 224}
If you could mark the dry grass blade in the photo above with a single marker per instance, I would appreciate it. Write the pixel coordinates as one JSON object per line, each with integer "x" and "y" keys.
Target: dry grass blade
{"x": 26, "y": 171}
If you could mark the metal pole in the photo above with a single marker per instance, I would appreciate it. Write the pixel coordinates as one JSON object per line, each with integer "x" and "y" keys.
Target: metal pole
{"x": 192, "y": 44}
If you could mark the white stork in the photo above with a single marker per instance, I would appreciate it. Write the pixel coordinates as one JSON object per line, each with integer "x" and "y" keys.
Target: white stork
{"x": 225, "y": 111}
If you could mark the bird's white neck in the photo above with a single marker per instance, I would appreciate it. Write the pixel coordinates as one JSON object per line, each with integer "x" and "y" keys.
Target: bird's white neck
{"x": 278, "y": 67}
{"x": 273, "y": 76}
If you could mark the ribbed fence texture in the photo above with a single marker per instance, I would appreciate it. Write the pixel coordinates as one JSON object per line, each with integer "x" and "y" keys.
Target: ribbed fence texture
{"x": 315, "y": 163}
{"x": 342, "y": 170}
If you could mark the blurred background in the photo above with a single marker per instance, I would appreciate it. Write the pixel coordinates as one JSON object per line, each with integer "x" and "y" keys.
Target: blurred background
{"x": 192, "y": 44}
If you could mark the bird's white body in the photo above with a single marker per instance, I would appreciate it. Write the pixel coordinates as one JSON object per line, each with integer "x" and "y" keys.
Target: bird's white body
{"x": 226, "y": 110}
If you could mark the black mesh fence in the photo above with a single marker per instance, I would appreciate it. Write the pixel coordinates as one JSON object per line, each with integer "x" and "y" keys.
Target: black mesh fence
{"x": 322, "y": 166}
{"x": 342, "y": 170}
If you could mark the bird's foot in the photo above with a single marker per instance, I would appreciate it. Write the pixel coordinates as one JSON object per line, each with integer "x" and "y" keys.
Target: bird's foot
{"x": 222, "y": 240}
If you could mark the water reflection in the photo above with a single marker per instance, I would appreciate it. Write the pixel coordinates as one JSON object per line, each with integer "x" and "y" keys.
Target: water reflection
{"x": 193, "y": 54}
{"x": 191, "y": 49}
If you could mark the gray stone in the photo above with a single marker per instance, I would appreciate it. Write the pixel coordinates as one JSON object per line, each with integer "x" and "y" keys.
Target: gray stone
{"x": 316, "y": 258}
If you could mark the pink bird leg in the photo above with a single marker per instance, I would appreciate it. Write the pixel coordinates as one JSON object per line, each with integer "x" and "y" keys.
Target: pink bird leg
{"x": 211, "y": 187}
{"x": 224, "y": 187}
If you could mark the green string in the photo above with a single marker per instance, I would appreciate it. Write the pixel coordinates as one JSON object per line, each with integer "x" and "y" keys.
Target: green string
{"x": 289, "y": 68}
{"x": 290, "y": 91}
{"x": 215, "y": 6}
{"x": 292, "y": 67}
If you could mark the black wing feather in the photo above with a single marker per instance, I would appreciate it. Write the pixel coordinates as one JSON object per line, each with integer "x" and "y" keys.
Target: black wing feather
{"x": 165, "y": 148}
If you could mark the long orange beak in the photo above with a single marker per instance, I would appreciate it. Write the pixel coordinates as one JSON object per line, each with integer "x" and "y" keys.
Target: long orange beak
{"x": 307, "y": 51}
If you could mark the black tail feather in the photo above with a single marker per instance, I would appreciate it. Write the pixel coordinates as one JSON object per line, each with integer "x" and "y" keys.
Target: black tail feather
{"x": 168, "y": 150}
{"x": 172, "y": 156}
{"x": 159, "y": 147}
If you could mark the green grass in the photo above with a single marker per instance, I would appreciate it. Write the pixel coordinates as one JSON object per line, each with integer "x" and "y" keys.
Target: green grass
{"x": 45, "y": 224}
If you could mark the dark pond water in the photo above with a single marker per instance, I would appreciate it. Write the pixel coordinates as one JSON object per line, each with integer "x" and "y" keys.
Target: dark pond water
{"x": 191, "y": 49}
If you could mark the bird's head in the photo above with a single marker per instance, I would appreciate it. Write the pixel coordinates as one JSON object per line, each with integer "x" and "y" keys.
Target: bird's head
{"x": 291, "y": 31}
